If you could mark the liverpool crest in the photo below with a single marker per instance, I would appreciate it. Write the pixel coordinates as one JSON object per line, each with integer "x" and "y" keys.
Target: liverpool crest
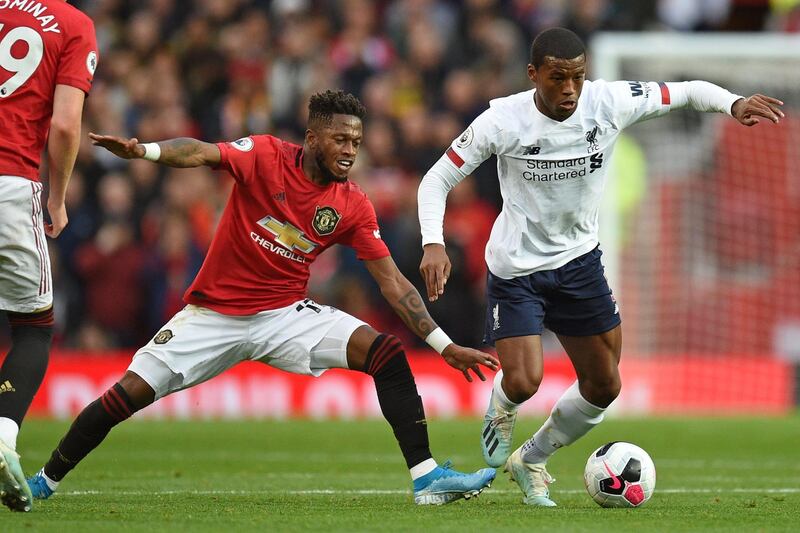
{"x": 325, "y": 220}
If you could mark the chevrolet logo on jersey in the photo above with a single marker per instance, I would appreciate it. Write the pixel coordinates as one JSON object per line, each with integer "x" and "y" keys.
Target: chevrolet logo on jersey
{"x": 287, "y": 235}
{"x": 325, "y": 220}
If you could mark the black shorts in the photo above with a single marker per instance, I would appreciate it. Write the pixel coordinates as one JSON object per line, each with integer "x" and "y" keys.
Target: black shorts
{"x": 573, "y": 300}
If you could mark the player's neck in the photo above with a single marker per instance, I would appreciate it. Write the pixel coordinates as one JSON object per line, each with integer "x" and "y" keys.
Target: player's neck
{"x": 311, "y": 170}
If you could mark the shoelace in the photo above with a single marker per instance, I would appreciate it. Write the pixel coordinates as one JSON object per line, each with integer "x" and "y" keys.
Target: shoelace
{"x": 447, "y": 467}
{"x": 499, "y": 419}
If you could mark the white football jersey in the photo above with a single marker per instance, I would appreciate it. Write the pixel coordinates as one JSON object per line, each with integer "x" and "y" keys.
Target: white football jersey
{"x": 551, "y": 173}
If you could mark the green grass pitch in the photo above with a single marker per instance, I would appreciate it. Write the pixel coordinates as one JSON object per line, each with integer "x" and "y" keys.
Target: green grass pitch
{"x": 730, "y": 474}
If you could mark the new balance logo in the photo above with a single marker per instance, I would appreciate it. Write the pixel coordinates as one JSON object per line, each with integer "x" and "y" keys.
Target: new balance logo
{"x": 490, "y": 438}
{"x": 6, "y": 387}
{"x": 596, "y": 161}
{"x": 530, "y": 150}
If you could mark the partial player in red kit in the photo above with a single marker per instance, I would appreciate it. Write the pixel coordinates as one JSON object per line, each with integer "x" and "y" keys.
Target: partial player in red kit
{"x": 248, "y": 302}
{"x": 48, "y": 56}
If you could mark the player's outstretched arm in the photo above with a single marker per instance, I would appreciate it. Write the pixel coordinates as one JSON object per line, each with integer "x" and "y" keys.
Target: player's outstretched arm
{"x": 747, "y": 110}
{"x": 182, "y": 152}
{"x": 408, "y": 304}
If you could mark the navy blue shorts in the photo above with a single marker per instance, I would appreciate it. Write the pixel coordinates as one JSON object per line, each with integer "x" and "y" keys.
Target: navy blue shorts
{"x": 573, "y": 300}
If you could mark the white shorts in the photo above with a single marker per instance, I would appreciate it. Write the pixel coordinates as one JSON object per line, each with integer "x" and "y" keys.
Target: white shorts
{"x": 198, "y": 344}
{"x": 26, "y": 285}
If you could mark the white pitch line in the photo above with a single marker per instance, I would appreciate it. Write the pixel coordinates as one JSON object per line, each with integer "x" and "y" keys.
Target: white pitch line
{"x": 378, "y": 492}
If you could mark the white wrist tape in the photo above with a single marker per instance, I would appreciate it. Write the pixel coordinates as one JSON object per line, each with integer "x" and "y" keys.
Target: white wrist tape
{"x": 152, "y": 151}
{"x": 438, "y": 340}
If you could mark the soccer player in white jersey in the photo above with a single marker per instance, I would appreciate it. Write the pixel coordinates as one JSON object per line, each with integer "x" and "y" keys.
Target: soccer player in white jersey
{"x": 553, "y": 145}
{"x": 248, "y": 302}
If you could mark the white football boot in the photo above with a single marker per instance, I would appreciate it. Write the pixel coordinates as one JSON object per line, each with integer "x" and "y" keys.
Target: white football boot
{"x": 532, "y": 478}
{"x": 14, "y": 491}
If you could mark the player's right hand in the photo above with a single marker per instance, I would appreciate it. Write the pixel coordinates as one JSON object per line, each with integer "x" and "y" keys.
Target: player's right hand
{"x": 119, "y": 146}
{"x": 58, "y": 219}
{"x": 435, "y": 269}
{"x": 466, "y": 359}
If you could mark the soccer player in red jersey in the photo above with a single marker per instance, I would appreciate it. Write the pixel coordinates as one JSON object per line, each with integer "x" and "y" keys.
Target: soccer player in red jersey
{"x": 248, "y": 302}
{"x": 48, "y": 56}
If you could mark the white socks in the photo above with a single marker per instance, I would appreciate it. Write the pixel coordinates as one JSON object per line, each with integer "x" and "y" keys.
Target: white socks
{"x": 571, "y": 418}
{"x": 8, "y": 432}
{"x": 50, "y": 483}
{"x": 500, "y": 395}
{"x": 425, "y": 467}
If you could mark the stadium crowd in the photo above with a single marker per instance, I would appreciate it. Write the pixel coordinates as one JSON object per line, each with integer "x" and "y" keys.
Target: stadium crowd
{"x": 223, "y": 69}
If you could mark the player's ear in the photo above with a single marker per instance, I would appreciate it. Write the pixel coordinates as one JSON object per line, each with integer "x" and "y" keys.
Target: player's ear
{"x": 532, "y": 73}
{"x": 311, "y": 137}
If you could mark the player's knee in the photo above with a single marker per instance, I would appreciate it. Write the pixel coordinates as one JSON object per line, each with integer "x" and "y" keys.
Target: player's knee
{"x": 137, "y": 390}
{"x": 520, "y": 386}
{"x": 385, "y": 355}
{"x": 602, "y": 391}
{"x": 34, "y": 328}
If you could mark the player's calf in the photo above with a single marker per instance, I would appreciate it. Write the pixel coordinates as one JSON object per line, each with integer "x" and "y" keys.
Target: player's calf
{"x": 402, "y": 407}
{"x": 86, "y": 433}
{"x": 25, "y": 365}
{"x": 400, "y": 403}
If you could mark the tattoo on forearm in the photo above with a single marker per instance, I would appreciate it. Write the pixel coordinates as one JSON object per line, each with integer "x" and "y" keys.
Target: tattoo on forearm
{"x": 414, "y": 313}
{"x": 179, "y": 152}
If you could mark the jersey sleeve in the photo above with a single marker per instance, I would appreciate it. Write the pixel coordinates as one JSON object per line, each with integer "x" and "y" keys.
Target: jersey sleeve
{"x": 79, "y": 57}
{"x": 478, "y": 142}
{"x": 636, "y": 101}
{"x": 364, "y": 235}
{"x": 245, "y": 157}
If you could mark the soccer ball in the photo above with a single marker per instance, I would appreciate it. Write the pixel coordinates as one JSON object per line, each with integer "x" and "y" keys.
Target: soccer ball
{"x": 620, "y": 474}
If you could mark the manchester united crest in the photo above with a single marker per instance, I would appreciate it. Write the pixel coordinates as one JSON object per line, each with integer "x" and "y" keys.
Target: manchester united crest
{"x": 325, "y": 220}
{"x": 163, "y": 336}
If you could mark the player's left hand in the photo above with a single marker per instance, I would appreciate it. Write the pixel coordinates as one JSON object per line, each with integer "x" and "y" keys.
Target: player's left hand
{"x": 119, "y": 146}
{"x": 466, "y": 359}
{"x": 747, "y": 110}
{"x": 58, "y": 219}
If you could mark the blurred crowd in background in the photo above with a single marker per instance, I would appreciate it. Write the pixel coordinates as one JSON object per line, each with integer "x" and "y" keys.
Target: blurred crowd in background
{"x": 223, "y": 69}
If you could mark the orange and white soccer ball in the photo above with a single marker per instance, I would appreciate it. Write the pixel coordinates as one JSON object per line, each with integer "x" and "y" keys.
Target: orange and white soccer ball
{"x": 620, "y": 474}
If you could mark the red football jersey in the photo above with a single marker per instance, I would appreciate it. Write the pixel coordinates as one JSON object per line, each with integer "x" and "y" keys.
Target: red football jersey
{"x": 43, "y": 43}
{"x": 276, "y": 223}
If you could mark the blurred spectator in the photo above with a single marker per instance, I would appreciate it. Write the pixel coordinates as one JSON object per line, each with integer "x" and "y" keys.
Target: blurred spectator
{"x": 169, "y": 269}
{"x": 111, "y": 271}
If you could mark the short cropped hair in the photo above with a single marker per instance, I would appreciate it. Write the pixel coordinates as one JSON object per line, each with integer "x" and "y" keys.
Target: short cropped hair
{"x": 322, "y": 107}
{"x": 559, "y": 43}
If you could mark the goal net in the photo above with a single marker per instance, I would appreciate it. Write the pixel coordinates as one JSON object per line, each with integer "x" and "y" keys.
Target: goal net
{"x": 701, "y": 227}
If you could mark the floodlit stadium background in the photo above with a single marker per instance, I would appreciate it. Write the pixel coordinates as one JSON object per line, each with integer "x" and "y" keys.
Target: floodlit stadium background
{"x": 701, "y": 233}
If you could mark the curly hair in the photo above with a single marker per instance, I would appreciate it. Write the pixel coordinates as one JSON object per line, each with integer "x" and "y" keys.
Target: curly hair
{"x": 322, "y": 106}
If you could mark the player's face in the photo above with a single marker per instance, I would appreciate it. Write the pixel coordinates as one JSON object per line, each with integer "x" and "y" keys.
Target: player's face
{"x": 558, "y": 85}
{"x": 335, "y": 147}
